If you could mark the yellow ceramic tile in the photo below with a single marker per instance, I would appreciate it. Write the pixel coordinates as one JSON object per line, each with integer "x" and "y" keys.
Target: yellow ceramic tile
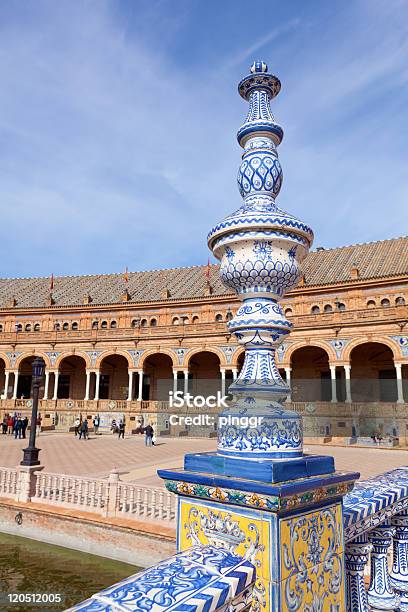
{"x": 309, "y": 539}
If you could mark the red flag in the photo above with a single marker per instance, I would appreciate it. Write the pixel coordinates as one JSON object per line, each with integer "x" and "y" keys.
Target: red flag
{"x": 52, "y": 282}
{"x": 207, "y": 271}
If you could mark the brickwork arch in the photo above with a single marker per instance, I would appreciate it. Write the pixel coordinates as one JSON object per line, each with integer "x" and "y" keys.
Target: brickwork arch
{"x": 148, "y": 353}
{"x": 109, "y": 353}
{"x": 73, "y": 353}
{"x": 208, "y": 349}
{"x": 325, "y": 346}
{"x": 393, "y": 346}
{"x": 24, "y": 356}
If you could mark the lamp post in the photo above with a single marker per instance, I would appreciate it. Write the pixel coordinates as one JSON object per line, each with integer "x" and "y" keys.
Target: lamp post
{"x": 31, "y": 452}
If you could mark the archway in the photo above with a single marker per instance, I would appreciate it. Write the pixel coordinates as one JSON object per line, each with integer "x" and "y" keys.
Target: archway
{"x": 204, "y": 373}
{"x": 2, "y": 378}
{"x": 310, "y": 375}
{"x": 25, "y": 379}
{"x": 114, "y": 378}
{"x": 158, "y": 377}
{"x": 373, "y": 375}
{"x": 72, "y": 378}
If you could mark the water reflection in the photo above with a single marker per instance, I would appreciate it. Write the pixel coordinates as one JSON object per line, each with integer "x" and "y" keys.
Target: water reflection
{"x": 27, "y": 566}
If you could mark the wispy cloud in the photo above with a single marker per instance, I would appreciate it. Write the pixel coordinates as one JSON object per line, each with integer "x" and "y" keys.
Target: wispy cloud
{"x": 117, "y": 131}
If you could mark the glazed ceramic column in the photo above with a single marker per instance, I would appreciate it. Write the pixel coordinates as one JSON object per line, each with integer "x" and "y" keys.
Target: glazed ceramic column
{"x": 356, "y": 558}
{"x": 381, "y": 595}
{"x": 399, "y": 573}
{"x": 259, "y": 495}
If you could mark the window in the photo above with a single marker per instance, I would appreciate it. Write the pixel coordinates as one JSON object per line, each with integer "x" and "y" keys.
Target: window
{"x": 1, "y": 328}
{"x": 135, "y": 323}
{"x": 94, "y": 324}
{"x": 104, "y": 325}
{"x": 74, "y": 326}
{"x": 371, "y": 304}
{"x": 385, "y": 303}
{"x": 229, "y": 315}
{"x": 185, "y": 320}
{"x": 400, "y": 301}
{"x": 315, "y": 310}
{"x": 143, "y": 323}
{"x": 328, "y": 308}
{"x": 65, "y": 326}
{"x": 28, "y": 327}
{"x": 113, "y": 324}
{"x": 175, "y": 321}
{"x": 153, "y": 322}
{"x": 218, "y": 317}
{"x": 57, "y": 326}
{"x": 341, "y": 306}
{"x": 288, "y": 312}
{"x": 37, "y": 327}
{"x": 195, "y": 319}
{"x": 19, "y": 327}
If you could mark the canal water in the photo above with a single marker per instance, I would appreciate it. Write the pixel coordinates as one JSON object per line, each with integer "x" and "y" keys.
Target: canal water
{"x": 27, "y": 566}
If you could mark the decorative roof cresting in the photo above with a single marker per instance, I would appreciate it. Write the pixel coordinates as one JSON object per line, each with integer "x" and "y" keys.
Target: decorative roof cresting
{"x": 260, "y": 248}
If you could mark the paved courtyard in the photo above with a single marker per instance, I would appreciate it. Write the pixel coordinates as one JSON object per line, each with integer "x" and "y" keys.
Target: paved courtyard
{"x": 63, "y": 453}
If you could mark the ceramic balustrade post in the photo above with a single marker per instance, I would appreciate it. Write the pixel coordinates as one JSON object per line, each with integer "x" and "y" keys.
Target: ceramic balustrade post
{"x": 113, "y": 486}
{"x": 399, "y": 573}
{"x": 356, "y": 558}
{"x": 381, "y": 596}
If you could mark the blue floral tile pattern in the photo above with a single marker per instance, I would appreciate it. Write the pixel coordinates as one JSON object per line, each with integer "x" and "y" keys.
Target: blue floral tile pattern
{"x": 203, "y": 578}
{"x": 373, "y": 500}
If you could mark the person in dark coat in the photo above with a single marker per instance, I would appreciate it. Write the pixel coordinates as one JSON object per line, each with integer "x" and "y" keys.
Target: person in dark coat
{"x": 24, "y": 425}
{"x": 149, "y": 431}
{"x": 83, "y": 430}
{"x": 121, "y": 429}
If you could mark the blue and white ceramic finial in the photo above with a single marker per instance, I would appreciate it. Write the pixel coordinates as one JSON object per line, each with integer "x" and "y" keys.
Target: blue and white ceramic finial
{"x": 260, "y": 248}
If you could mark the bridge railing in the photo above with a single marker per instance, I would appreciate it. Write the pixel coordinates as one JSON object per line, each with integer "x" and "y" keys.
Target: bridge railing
{"x": 200, "y": 578}
{"x": 376, "y": 543}
{"x": 107, "y": 497}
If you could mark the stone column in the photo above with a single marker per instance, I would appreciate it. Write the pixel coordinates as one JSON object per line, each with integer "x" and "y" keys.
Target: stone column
{"x": 46, "y": 384}
{"x": 288, "y": 373}
{"x": 400, "y": 391}
{"x": 130, "y": 387}
{"x": 234, "y": 373}
{"x": 333, "y": 384}
{"x": 222, "y": 382}
{"x": 356, "y": 558}
{"x": 15, "y": 385}
{"x": 399, "y": 573}
{"x": 140, "y": 390}
{"x": 98, "y": 378}
{"x": 381, "y": 596}
{"x": 56, "y": 377}
{"x": 185, "y": 382}
{"x": 347, "y": 371}
{"x": 6, "y": 384}
{"x": 87, "y": 385}
{"x": 175, "y": 374}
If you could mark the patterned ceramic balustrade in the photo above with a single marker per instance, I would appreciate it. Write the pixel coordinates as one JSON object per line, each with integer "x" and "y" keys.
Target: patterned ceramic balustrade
{"x": 376, "y": 522}
{"x": 201, "y": 579}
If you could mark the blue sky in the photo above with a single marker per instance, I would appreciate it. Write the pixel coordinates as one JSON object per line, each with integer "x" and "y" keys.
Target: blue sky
{"x": 118, "y": 122}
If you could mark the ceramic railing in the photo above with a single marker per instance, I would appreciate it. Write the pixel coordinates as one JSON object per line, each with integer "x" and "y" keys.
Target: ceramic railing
{"x": 8, "y": 482}
{"x": 375, "y": 525}
{"x": 200, "y": 578}
{"x": 107, "y": 497}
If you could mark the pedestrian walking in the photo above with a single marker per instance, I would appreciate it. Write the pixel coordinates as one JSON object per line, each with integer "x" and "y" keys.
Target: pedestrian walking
{"x": 77, "y": 425}
{"x": 24, "y": 425}
{"x": 18, "y": 428}
{"x": 121, "y": 433}
{"x": 149, "y": 431}
{"x": 83, "y": 430}
{"x": 38, "y": 424}
{"x": 4, "y": 424}
{"x": 10, "y": 425}
{"x": 96, "y": 423}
